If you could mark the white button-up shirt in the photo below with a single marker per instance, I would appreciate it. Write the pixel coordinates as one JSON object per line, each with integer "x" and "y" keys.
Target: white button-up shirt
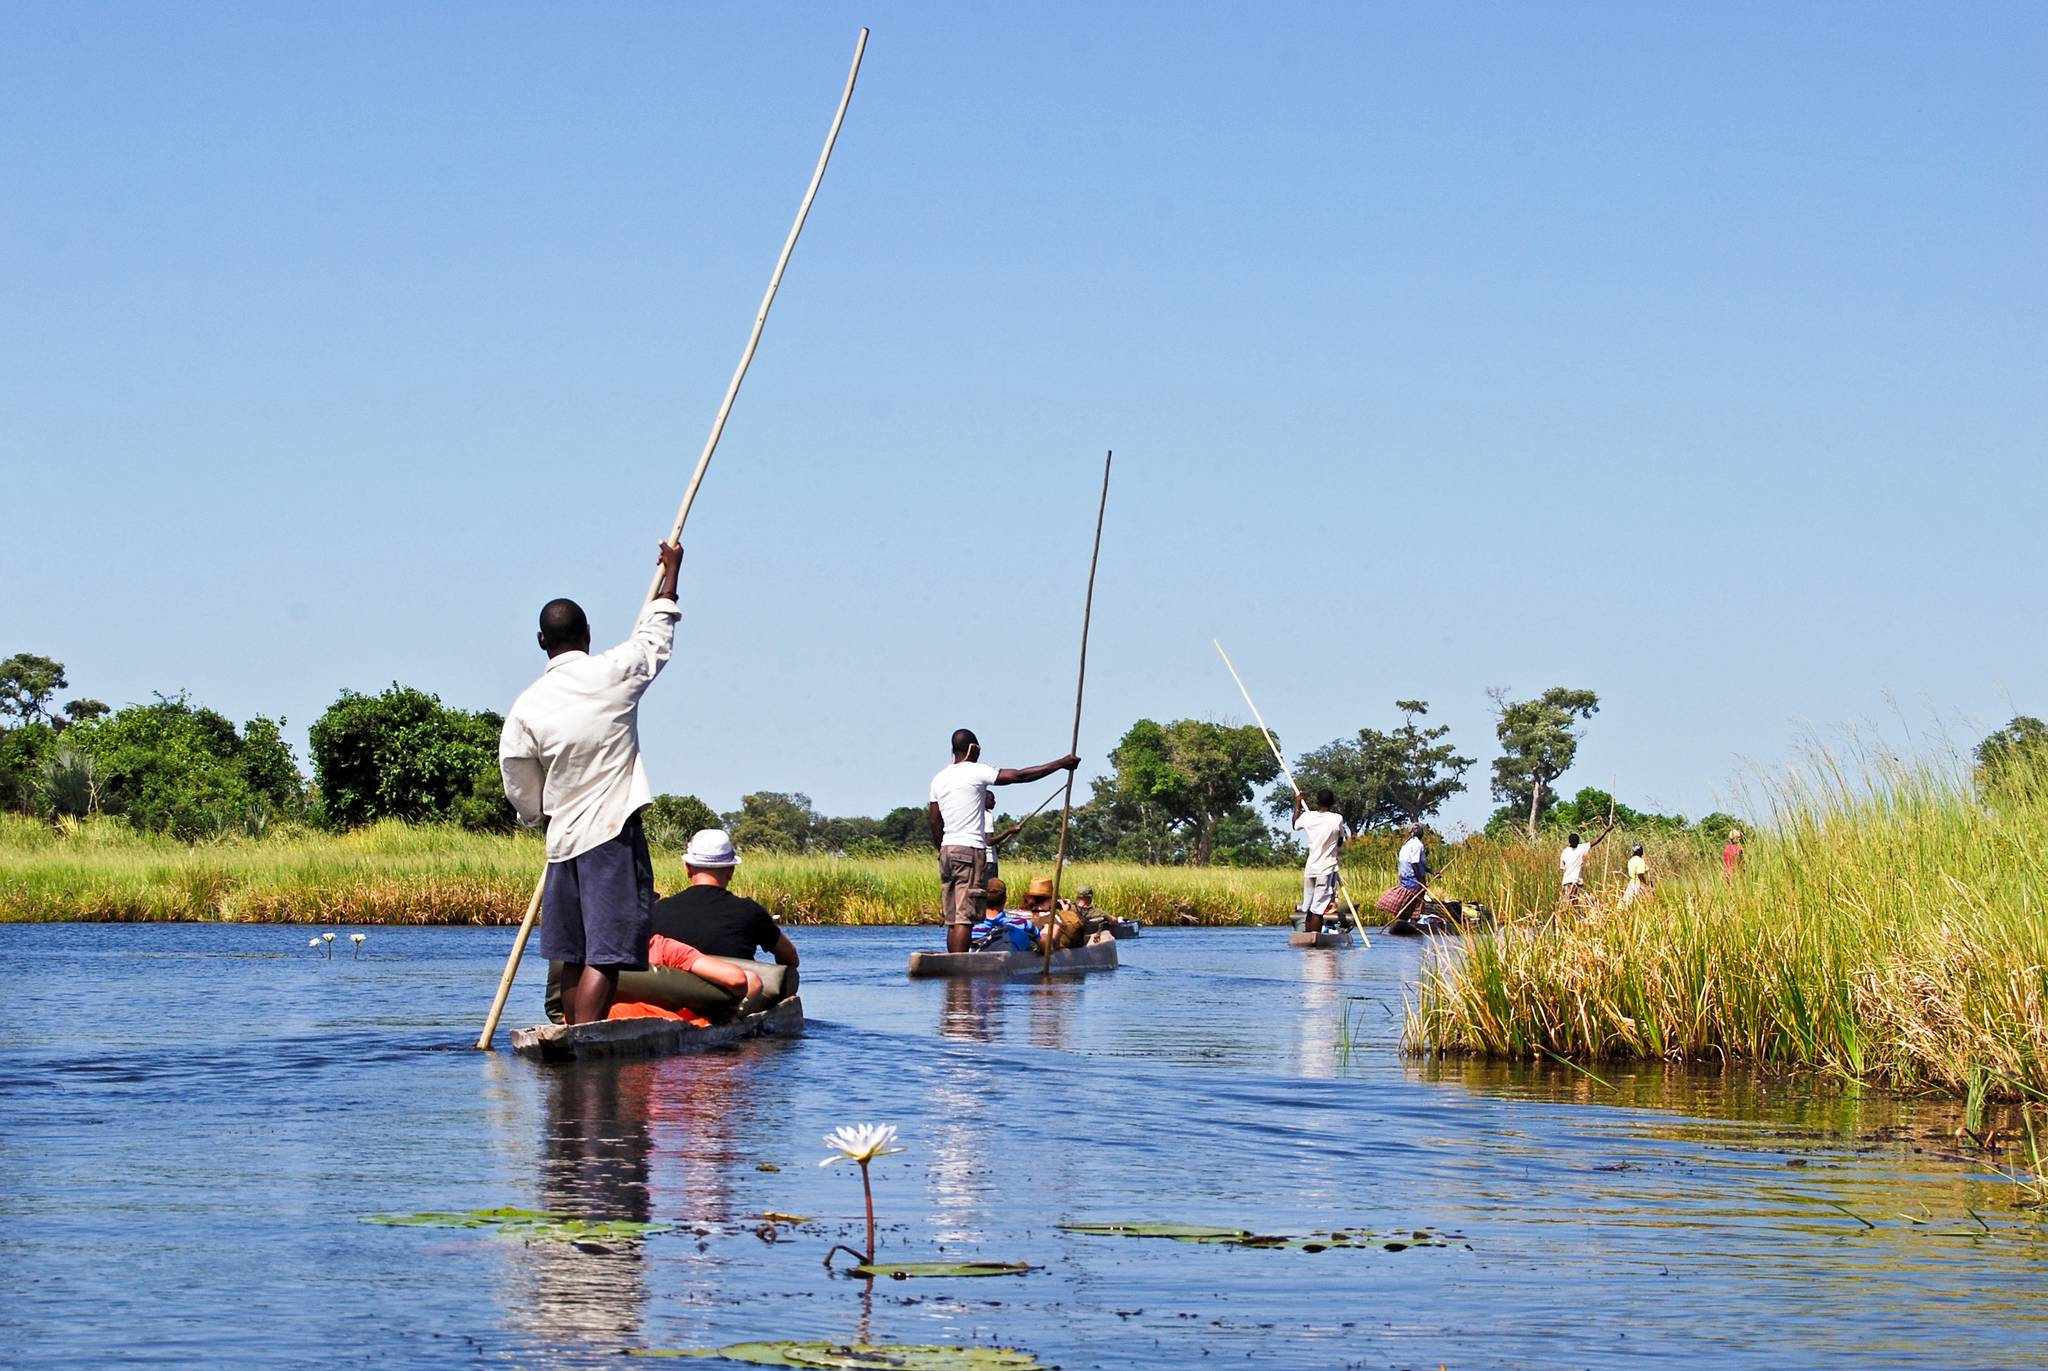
{"x": 570, "y": 749}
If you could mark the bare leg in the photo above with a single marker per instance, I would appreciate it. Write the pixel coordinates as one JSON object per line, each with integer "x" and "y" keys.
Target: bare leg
{"x": 1314, "y": 923}
{"x": 957, "y": 939}
{"x": 593, "y": 995}
{"x": 571, "y": 983}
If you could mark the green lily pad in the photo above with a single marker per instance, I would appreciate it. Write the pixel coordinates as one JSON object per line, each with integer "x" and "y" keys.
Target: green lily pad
{"x": 1244, "y": 1237}
{"x": 1183, "y": 1232}
{"x": 527, "y": 1224}
{"x": 858, "y": 1356}
{"x": 898, "y": 1271}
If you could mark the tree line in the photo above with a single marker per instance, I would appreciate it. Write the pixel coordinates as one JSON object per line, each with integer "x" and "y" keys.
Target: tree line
{"x": 1188, "y": 791}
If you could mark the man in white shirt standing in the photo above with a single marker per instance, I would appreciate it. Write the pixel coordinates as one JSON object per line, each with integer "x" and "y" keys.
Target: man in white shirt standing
{"x": 1324, "y": 831}
{"x": 570, "y": 754}
{"x": 957, "y": 813}
{"x": 1572, "y": 864}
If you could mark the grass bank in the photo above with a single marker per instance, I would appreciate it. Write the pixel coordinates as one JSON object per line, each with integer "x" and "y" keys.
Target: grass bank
{"x": 1888, "y": 927}
{"x": 394, "y": 873}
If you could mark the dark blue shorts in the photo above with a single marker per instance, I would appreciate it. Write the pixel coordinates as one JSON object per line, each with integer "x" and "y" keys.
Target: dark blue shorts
{"x": 597, "y": 909}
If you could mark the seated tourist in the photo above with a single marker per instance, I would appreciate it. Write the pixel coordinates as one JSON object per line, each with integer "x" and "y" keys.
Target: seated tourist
{"x": 707, "y": 916}
{"x": 1000, "y": 930}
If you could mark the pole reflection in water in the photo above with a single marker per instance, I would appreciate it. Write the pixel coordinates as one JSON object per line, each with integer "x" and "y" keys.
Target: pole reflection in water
{"x": 592, "y": 1164}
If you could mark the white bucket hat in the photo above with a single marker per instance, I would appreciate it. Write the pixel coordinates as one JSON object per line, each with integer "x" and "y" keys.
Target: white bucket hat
{"x": 711, "y": 848}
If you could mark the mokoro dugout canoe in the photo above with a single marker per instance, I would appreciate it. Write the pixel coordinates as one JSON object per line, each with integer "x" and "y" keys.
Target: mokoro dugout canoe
{"x": 1326, "y": 938}
{"x": 554, "y": 1042}
{"x": 1099, "y": 955}
{"x": 1448, "y": 919}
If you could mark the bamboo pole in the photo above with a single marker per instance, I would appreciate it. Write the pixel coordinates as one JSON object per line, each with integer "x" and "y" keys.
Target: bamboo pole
{"x": 1059, "y": 861}
{"x": 1607, "y": 857}
{"x": 1288, "y": 771}
{"x": 732, "y": 391}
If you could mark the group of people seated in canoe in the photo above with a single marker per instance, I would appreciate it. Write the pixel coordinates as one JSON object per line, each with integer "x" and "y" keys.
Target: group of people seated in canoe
{"x": 570, "y": 757}
{"x": 1042, "y": 918}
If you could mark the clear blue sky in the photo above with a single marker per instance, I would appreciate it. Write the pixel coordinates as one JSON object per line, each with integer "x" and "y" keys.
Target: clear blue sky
{"x": 1691, "y": 354}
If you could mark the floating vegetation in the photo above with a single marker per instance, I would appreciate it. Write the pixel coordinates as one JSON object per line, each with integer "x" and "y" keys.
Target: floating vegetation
{"x": 899, "y": 1271}
{"x": 528, "y": 1225}
{"x": 1397, "y": 1241}
{"x": 855, "y": 1356}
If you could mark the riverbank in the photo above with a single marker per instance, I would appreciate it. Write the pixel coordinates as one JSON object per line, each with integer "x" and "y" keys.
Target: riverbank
{"x": 1891, "y": 930}
{"x": 393, "y": 873}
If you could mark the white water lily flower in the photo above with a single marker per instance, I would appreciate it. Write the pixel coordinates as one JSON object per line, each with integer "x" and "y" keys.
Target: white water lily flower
{"x": 312, "y": 942}
{"x": 326, "y": 937}
{"x": 357, "y": 937}
{"x": 860, "y": 1142}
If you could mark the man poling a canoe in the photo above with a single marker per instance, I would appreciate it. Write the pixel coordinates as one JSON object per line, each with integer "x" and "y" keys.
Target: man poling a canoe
{"x": 959, "y": 802}
{"x": 570, "y": 756}
{"x": 1323, "y": 830}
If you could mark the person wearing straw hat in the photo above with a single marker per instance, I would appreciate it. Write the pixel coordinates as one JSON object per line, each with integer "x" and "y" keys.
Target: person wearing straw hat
{"x": 570, "y": 757}
{"x": 706, "y": 914}
{"x": 958, "y": 816}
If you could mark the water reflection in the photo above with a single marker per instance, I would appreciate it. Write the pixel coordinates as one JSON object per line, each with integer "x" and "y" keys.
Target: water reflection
{"x": 591, "y": 1163}
{"x": 1322, "y": 1005}
{"x": 970, "y": 1008}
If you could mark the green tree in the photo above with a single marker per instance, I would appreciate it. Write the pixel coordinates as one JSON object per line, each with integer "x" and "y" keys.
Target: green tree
{"x": 1538, "y": 744}
{"x": 771, "y": 821}
{"x": 28, "y": 685}
{"x": 176, "y": 767}
{"x": 1184, "y": 779}
{"x": 1383, "y": 780}
{"x": 2017, "y": 753}
{"x": 24, "y": 750}
{"x": 673, "y": 819}
{"x": 82, "y": 711}
{"x": 405, "y": 755}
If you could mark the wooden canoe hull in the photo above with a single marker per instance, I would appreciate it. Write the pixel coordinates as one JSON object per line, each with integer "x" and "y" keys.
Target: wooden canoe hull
{"x": 1324, "y": 939}
{"x": 1068, "y": 961}
{"x": 1125, "y": 928}
{"x": 652, "y": 1037}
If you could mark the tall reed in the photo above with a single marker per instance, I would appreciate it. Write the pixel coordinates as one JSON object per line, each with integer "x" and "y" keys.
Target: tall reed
{"x": 1886, "y": 925}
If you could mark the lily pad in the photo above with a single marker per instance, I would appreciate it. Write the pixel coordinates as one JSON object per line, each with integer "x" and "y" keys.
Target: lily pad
{"x": 858, "y": 1356}
{"x": 1184, "y": 1232}
{"x": 1244, "y": 1237}
{"x": 898, "y": 1271}
{"x": 528, "y": 1224}
{"x": 774, "y": 1216}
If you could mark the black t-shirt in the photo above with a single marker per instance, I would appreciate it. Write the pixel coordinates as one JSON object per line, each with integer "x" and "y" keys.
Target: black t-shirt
{"x": 716, "y": 922}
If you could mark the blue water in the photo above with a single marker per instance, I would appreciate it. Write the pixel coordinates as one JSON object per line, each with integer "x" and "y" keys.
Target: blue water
{"x": 193, "y": 1118}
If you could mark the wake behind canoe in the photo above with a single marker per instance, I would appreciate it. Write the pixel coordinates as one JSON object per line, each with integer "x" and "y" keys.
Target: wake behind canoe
{"x": 653, "y": 1037}
{"x": 1067, "y": 961}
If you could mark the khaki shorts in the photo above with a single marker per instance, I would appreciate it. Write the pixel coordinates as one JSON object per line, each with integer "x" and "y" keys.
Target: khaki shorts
{"x": 963, "y": 881}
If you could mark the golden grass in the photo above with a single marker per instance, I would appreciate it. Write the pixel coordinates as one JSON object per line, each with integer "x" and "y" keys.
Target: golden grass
{"x": 1888, "y": 926}
{"x": 400, "y": 874}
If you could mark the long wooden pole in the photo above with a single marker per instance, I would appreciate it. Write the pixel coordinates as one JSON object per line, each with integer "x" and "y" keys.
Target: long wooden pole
{"x": 732, "y": 391}
{"x": 1288, "y": 771}
{"x": 1059, "y": 861}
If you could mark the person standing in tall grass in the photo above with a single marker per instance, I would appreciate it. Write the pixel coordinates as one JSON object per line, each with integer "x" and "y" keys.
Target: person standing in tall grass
{"x": 1731, "y": 855}
{"x": 958, "y": 816}
{"x": 1638, "y": 877}
{"x": 1572, "y": 864}
{"x": 570, "y": 756}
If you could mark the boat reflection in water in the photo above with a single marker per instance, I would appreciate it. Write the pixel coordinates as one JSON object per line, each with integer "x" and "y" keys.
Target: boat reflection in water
{"x": 1320, "y": 1013}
